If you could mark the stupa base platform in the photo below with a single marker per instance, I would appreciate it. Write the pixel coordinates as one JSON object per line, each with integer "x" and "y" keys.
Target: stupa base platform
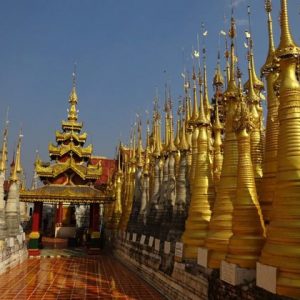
{"x": 234, "y": 275}
{"x": 266, "y": 277}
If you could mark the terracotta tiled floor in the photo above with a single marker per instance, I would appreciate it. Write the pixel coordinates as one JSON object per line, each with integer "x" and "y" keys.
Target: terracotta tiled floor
{"x": 98, "y": 277}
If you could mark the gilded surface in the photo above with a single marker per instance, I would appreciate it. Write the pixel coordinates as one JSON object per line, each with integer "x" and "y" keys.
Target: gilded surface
{"x": 199, "y": 212}
{"x": 220, "y": 226}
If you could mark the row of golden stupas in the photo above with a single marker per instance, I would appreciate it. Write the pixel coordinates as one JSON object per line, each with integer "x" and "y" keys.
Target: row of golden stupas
{"x": 235, "y": 182}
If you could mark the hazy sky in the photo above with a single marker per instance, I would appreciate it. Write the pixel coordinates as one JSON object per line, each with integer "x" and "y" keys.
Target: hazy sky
{"x": 124, "y": 49}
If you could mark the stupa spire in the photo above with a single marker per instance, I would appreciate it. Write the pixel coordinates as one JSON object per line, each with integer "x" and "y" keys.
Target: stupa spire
{"x": 257, "y": 83}
{"x": 4, "y": 148}
{"x": 17, "y": 164}
{"x": 220, "y": 226}
{"x": 140, "y": 144}
{"x": 232, "y": 87}
{"x": 199, "y": 210}
{"x": 271, "y": 51}
{"x": 183, "y": 145}
{"x": 217, "y": 145}
{"x": 287, "y": 46}
{"x": 271, "y": 71}
{"x": 247, "y": 224}
{"x": 281, "y": 249}
{"x": 157, "y": 130}
{"x": 194, "y": 127}
{"x": 195, "y": 100}
{"x": 177, "y": 138}
{"x": 218, "y": 77}
{"x": 206, "y": 102}
{"x": 171, "y": 145}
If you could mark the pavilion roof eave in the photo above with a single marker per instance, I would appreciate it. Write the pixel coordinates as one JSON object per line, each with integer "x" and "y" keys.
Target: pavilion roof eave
{"x": 73, "y": 194}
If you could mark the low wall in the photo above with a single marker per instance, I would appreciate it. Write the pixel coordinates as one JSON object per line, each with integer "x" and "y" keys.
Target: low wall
{"x": 177, "y": 280}
{"x": 13, "y": 253}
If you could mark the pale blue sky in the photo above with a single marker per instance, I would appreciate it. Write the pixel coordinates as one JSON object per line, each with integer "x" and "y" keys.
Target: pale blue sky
{"x": 121, "y": 47}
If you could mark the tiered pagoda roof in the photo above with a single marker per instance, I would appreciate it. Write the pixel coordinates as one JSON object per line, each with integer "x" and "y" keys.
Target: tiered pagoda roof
{"x": 72, "y": 173}
{"x": 71, "y": 158}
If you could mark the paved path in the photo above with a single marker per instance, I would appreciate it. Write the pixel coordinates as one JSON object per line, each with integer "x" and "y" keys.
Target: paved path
{"x": 96, "y": 277}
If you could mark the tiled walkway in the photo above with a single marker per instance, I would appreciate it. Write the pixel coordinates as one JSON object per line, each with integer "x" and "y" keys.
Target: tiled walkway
{"x": 98, "y": 277}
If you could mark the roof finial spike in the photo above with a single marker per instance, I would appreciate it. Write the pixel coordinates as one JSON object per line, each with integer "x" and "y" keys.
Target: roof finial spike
{"x": 287, "y": 45}
{"x": 73, "y": 99}
{"x": 74, "y": 75}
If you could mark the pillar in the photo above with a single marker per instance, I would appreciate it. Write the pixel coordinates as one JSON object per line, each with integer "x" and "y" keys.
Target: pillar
{"x": 59, "y": 215}
{"x": 94, "y": 226}
{"x": 35, "y": 236}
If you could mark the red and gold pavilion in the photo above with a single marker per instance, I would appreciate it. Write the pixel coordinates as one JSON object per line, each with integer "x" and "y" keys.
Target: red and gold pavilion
{"x": 70, "y": 178}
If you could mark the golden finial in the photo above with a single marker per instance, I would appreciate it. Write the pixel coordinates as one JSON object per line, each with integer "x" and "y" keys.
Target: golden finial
{"x": 269, "y": 64}
{"x": 179, "y": 111}
{"x": 147, "y": 151}
{"x": 268, "y": 6}
{"x": 157, "y": 131}
{"x": 17, "y": 165}
{"x": 218, "y": 77}
{"x": 140, "y": 144}
{"x": 37, "y": 157}
{"x": 287, "y": 46}
{"x": 195, "y": 100}
{"x": 73, "y": 99}
{"x": 171, "y": 145}
{"x": 257, "y": 83}
{"x": 18, "y": 157}
{"x": 232, "y": 88}
{"x": 226, "y": 58}
{"x": 167, "y": 120}
{"x": 217, "y": 123}
{"x": 134, "y": 144}
{"x": 187, "y": 107}
{"x": 119, "y": 157}
{"x": 148, "y": 136}
{"x": 177, "y": 138}
{"x": 34, "y": 183}
{"x": 252, "y": 95}
{"x": 239, "y": 75}
{"x": 253, "y": 82}
{"x": 202, "y": 119}
{"x": 4, "y": 146}
{"x": 206, "y": 103}
{"x": 183, "y": 145}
